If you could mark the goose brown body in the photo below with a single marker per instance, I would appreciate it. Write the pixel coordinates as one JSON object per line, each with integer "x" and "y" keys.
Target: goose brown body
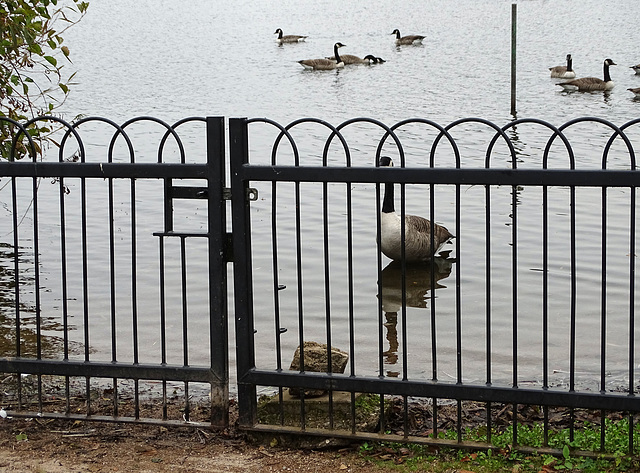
{"x": 588, "y": 84}
{"x": 409, "y": 39}
{"x": 417, "y": 230}
{"x": 636, "y": 91}
{"x": 563, "y": 72}
{"x": 324, "y": 64}
{"x": 353, "y": 59}
{"x": 290, "y": 38}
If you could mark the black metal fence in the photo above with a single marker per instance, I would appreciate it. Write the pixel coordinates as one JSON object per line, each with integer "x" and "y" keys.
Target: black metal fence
{"x": 108, "y": 255}
{"x": 528, "y": 317}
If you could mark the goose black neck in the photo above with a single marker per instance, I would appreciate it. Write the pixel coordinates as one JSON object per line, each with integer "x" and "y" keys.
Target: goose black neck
{"x": 607, "y": 77}
{"x": 335, "y": 52}
{"x": 569, "y": 64}
{"x": 397, "y": 34}
{"x": 279, "y": 34}
{"x": 387, "y": 201}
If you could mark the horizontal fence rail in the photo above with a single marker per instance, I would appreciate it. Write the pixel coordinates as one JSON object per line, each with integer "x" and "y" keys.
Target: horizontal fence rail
{"x": 97, "y": 300}
{"x": 114, "y": 260}
{"x": 527, "y": 223}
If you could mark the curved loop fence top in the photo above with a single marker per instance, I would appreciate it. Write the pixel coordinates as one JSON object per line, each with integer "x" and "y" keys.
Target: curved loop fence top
{"x": 442, "y": 130}
{"x": 22, "y": 129}
{"x": 174, "y": 127}
{"x": 168, "y": 127}
{"x": 381, "y": 125}
{"x": 617, "y": 130}
{"x": 499, "y": 131}
{"x": 102, "y": 120}
{"x": 283, "y": 132}
{"x": 62, "y": 122}
{"x": 613, "y": 137}
{"x": 555, "y": 130}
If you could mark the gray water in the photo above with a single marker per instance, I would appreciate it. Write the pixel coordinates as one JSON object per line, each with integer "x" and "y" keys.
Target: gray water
{"x": 177, "y": 59}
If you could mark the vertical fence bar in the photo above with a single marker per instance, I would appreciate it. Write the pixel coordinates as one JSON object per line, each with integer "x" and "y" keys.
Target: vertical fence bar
{"x": 85, "y": 282}
{"x": 243, "y": 298}
{"x": 64, "y": 289}
{"x": 134, "y": 293}
{"x": 16, "y": 290}
{"x": 218, "y": 309}
{"x": 185, "y": 320}
{"x": 327, "y": 291}
{"x": 163, "y": 321}
{"x": 276, "y": 289}
{"x": 514, "y": 23}
{"x": 603, "y": 316}
{"x": 572, "y": 342}
{"x": 487, "y": 263}
{"x": 112, "y": 289}
{"x": 632, "y": 299}
{"x": 545, "y": 306}
{"x": 382, "y": 421}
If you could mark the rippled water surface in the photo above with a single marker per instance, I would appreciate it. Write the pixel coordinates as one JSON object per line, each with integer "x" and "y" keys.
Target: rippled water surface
{"x": 200, "y": 58}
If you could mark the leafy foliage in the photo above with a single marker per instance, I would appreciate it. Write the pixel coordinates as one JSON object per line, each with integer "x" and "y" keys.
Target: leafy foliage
{"x": 33, "y": 79}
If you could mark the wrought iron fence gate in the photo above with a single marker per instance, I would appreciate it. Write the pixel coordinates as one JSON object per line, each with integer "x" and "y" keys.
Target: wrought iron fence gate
{"x": 275, "y": 229}
{"x": 114, "y": 291}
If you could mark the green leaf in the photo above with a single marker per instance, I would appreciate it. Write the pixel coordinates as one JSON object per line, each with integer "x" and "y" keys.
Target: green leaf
{"x": 51, "y": 60}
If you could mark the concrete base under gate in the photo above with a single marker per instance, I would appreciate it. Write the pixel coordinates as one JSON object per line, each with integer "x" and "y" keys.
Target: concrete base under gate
{"x": 320, "y": 411}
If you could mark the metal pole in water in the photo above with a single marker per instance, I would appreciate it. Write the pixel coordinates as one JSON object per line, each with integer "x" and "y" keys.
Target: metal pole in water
{"x": 514, "y": 14}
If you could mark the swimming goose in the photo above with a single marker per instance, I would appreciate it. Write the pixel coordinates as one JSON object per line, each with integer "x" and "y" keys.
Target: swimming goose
{"x": 417, "y": 236}
{"x": 290, "y": 38}
{"x": 636, "y": 68}
{"x": 636, "y": 91}
{"x": 563, "y": 72}
{"x": 587, "y": 84}
{"x": 352, "y": 59}
{"x": 409, "y": 39}
{"x": 324, "y": 64}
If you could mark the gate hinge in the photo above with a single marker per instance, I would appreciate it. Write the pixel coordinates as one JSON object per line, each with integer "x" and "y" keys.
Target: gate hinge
{"x": 252, "y": 194}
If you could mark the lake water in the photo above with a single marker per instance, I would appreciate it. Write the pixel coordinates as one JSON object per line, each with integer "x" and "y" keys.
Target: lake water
{"x": 177, "y": 59}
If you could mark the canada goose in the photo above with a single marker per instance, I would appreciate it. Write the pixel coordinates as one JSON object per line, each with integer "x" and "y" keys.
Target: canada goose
{"x": 324, "y": 64}
{"x": 587, "y": 84}
{"x": 290, "y": 38}
{"x": 417, "y": 236}
{"x": 563, "y": 72}
{"x": 409, "y": 39}
{"x": 352, "y": 59}
{"x": 636, "y": 91}
{"x": 636, "y": 68}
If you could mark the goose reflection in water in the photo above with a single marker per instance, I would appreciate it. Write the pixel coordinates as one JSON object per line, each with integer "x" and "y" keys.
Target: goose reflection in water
{"x": 418, "y": 281}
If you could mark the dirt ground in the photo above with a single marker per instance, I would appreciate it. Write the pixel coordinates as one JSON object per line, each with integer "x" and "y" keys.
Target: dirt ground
{"x": 55, "y": 446}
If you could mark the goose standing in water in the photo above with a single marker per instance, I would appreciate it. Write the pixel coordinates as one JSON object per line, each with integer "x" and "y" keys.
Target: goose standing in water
{"x": 409, "y": 39}
{"x": 290, "y": 38}
{"x": 636, "y": 91}
{"x": 417, "y": 230}
{"x": 352, "y": 59}
{"x": 636, "y": 68}
{"x": 564, "y": 72}
{"x": 324, "y": 64}
{"x": 587, "y": 84}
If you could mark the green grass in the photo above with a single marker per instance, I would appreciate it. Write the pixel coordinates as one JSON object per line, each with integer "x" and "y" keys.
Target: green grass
{"x": 503, "y": 457}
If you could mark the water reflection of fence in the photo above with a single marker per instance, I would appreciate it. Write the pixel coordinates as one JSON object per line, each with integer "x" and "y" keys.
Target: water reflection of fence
{"x": 313, "y": 227}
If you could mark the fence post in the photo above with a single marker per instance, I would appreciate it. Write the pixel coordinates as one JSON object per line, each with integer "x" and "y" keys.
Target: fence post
{"x": 242, "y": 282}
{"x": 218, "y": 307}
